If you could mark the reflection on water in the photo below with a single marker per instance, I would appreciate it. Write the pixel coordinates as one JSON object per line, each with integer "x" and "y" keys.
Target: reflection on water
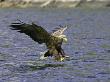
{"x": 88, "y": 46}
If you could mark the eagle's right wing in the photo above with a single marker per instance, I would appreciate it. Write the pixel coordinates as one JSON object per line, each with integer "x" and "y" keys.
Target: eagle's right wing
{"x": 59, "y": 31}
{"x": 37, "y": 33}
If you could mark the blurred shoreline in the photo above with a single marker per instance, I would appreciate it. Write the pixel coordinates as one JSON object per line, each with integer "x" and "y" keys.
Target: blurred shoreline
{"x": 54, "y": 3}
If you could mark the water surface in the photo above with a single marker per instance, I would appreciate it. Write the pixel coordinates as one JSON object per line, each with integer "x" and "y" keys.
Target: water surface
{"x": 88, "y": 46}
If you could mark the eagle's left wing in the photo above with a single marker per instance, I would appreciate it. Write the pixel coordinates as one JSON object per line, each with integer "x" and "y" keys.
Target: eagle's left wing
{"x": 36, "y": 32}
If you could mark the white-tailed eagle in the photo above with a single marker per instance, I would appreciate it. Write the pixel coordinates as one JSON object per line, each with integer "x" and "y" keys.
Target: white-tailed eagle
{"x": 53, "y": 40}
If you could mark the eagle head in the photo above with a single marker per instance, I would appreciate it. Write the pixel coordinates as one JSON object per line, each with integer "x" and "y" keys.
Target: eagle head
{"x": 63, "y": 37}
{"x": 59, "y": 33}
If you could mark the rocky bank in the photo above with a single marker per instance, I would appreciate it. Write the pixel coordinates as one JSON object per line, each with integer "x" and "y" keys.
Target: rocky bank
{"x": 54, "y": 3}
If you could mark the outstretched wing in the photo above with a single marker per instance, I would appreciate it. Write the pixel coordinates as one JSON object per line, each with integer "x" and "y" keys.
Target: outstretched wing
{"x": 59, "y": 31}
{"x": 37, "y": 33}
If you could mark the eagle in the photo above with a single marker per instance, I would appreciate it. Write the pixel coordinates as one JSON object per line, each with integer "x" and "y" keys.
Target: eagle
{"x": 53, "y": 41}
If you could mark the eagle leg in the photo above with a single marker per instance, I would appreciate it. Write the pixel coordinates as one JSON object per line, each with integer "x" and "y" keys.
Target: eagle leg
{"x": 62, "y": 52}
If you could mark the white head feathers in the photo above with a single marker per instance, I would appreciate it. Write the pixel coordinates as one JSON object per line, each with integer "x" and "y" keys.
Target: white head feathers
{"x": 59, "y": 33}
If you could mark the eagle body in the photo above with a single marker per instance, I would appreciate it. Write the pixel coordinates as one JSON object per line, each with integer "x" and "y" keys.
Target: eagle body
{"x": 53, "y": 41}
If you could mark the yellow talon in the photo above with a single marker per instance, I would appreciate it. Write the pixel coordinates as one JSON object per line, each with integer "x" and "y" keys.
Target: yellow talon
{"x": 59, "y": 58}
{"x": 62, "y": 58}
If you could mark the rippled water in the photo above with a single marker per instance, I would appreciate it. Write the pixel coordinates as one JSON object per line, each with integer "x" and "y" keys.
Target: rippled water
{"x": 88, "y": 46}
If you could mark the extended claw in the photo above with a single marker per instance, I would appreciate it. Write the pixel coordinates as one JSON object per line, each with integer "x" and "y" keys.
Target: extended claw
{"x": 59, "y": 58}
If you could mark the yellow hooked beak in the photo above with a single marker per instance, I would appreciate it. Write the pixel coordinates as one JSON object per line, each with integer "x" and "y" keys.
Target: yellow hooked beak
{"x": 65, "y": 40}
